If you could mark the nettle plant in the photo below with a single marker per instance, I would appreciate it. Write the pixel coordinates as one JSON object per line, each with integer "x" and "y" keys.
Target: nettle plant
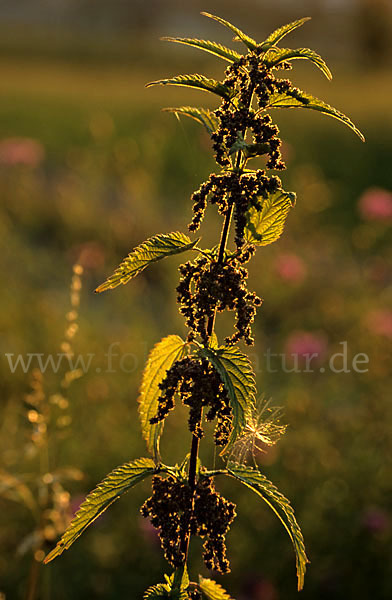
{"x": 215, "y": 380}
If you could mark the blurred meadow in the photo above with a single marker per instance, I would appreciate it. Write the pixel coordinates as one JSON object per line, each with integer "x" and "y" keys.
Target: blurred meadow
{"x": 89, "y": 168}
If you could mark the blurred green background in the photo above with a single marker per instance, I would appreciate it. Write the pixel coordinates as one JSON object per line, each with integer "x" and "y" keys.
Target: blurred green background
{"x": 89, "y": 168}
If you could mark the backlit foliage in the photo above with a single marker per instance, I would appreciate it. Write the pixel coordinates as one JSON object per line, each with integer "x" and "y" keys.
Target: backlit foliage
{"x": 214, "y": 379}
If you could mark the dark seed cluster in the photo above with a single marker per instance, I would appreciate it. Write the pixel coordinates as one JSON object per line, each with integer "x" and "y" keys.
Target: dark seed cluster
{"x": 212, "y": 518}
{"x": 198, "y": 385}
{"x": 249, "y": 77}
{"x": 170, "y": 511}
{"x": 216, "y": 190}
{"x": 208, "y": 286}
{"x": 243, "y": 190}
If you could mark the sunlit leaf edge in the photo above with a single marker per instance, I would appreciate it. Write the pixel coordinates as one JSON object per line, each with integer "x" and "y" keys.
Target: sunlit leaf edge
{"x": 256, "y": 481}
{"x": 148, "y": 405}
{"x": 114, "y": 485}
{"x": 155, "y": 248}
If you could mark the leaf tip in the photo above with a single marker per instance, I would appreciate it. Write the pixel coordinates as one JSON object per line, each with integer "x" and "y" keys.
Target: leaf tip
{"x": 101, "y": 288}
{"x": 53, "y": 553}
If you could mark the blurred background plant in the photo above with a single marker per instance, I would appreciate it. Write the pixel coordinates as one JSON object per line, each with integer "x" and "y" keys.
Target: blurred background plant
{"x": 89, "y": 167}
{"x": 47, "y": 423}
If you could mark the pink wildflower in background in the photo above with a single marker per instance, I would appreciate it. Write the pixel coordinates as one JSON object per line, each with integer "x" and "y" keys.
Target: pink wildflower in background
{"x": 375, "y": 204}
{"x": 21, "y": 151}
{"x": 259, "y": 588}
{"x": 375, "y": 519}
{"x": 379, "y": 322}
{"x": 304, "y": 343}
{"x": 290, "y": 267}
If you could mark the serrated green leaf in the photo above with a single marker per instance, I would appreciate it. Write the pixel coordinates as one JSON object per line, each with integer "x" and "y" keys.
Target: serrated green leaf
{"x": 257, "y": 482}
{"x": 237, "y": 375}
{"x": 300, "y": 99}
{"x": 199, "y": 82}
{"x": 119, "y": 481}
{"x": 212, "y": 590}
{"x": 204, "y": 116}
{"x": 275, "y": 56}
{"x": 164, "y": 590}
{"x": 161, "y": 591}
{"x": 207, "y": 46}
{"x": 265, "y": 224}
{"x": 248, "y": 41}
{"x": 155, "y": 248}
{"x": 161, "y": 358}
{"x": 281, "y": 32}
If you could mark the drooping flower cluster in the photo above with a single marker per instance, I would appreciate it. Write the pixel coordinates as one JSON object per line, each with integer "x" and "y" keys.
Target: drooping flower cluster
{"x": 208, "y": 286}
{"x": 247, "y": 77}
{"x": 227, "y": 189}
{"x": 173, "y": 512}
{"x": 213, "y": 516}
{"x": 198, "y": 385}
{"x": 169, "y": 510}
